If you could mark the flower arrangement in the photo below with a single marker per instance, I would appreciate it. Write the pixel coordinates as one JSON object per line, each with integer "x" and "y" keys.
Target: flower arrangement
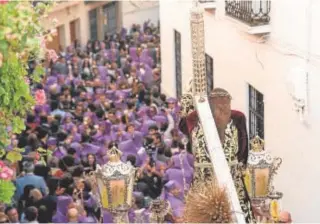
{"x": 206, "y": 202}
{"x": 7, "y": 188}
{"x": 40, "y": 97}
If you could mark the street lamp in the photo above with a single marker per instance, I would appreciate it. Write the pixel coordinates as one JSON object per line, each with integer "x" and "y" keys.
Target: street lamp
{"x": 114, "y": 182}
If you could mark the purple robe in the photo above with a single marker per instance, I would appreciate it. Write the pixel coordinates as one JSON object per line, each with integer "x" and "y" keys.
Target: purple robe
{"x": 138, "y": 216}
{"x": 68, "y": 127}
{"x": 107, "y": 217}
{"x": 137, "y": 139}
{"x": 141, "y": 156}
{"x": 146, "y": 125}
{"x": 187, "y": 168}
{"x": 177, "y": 205}
{"x": 89, "y": 148}
{"x": 133, "y": 54}
{"x": 78, "y": 147}
{"x": 62, "y": 208}
{"x": 60, "y": 152}
{"x": 127, "y": 148}
{"x": 123, "y": 33}
{"x": 175, "y": 174}
{"x": 76, "y": 137}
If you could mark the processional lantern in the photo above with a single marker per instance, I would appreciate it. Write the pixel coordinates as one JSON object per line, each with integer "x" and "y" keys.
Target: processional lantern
{"x": 114, "y": 182}
{"x": 261, "y": 169}
{"x": 159, "y": 209}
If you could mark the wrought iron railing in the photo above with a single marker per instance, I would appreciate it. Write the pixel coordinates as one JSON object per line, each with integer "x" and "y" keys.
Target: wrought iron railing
{"x": 254, "y": 13}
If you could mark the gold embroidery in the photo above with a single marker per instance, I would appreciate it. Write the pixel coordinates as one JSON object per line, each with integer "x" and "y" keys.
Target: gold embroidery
{"x": 203, "y": 168}
{"x": 231, "y": 148}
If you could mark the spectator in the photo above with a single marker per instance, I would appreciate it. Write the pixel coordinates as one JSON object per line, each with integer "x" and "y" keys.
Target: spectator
{"x": 31, "y": 215}
{"x": 3, "y": 218}
{"x": 12, "y": 215}
{"x": 29, "y": 179}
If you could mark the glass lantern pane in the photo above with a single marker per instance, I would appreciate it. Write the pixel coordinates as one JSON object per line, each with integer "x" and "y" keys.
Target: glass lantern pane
{"x": 103, "y": 193}
{"x": 248, "y": 182}
{"x": 274, "y": 209}
{"x": 262, "y": 182}
{"x": 117, "y": 192}
{"x": 130, "y": 189}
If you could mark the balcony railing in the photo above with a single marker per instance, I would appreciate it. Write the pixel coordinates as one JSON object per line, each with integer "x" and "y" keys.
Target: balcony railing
{"x": 254, "y": 13}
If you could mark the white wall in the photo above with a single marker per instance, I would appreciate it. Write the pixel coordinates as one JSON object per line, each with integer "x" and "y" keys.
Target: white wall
{"x": 174, "y": 15}
{"x": 238, "y": 60}
{"x": 67, "y": 12}
{"x": 139, "y": 11}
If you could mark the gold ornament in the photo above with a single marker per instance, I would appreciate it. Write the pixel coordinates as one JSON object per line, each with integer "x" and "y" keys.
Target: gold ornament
{"x": 114, "y": 154}
{"x": 206, "y": 202}
{"x": 257, "y": 144}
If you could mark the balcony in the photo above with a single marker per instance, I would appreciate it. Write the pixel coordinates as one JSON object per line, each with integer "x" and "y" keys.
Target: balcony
{"x": 255, "y": 14}
{"x": 208, "y": 4}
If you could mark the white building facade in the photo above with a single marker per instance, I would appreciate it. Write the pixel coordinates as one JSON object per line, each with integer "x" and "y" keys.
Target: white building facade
{"x": 265, "y": 61}
{"x": 85, "y": 20}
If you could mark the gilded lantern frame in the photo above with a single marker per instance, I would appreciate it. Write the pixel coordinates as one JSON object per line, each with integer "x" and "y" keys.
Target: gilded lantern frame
{"x": 259, "y": 159}
{"x": 110, "y": 172}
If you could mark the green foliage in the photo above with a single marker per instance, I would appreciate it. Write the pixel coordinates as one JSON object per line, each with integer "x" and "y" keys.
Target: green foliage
{"x": 20, "y": 40}
{"x": 7, "y": 190}
{"x": 2, "y": 153}
{"x": 14, "y": 155}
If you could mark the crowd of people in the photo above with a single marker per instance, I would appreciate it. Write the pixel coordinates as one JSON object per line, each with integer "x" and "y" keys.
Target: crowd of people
{"x": 92, "y": 99}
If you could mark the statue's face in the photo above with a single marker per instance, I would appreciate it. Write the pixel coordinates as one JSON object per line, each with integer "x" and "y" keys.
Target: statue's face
{"x": 222, "y": 110}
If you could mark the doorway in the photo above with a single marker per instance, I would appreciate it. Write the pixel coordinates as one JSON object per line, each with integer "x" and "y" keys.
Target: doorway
{"x": 73, "y": 31}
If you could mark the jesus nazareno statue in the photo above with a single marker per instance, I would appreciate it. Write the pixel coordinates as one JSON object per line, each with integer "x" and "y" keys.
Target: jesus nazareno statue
{"x": 231, "y": 126}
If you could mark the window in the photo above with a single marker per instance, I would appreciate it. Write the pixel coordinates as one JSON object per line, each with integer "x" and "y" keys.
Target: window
{"x": 177, "y": 44}
{"x": 256, "y": 113}
{"x": 93, "y": 24}
{"x": 209, "y": 72}
{"x": 110, "y": 15}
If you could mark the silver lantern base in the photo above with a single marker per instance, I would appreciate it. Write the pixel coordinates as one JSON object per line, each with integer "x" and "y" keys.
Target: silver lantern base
{"x": 120, "y": 214}
{"x": 159, "y": 209}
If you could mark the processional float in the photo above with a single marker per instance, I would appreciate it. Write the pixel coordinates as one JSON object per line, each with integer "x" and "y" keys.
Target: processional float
{"x": 210, "y": 160}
